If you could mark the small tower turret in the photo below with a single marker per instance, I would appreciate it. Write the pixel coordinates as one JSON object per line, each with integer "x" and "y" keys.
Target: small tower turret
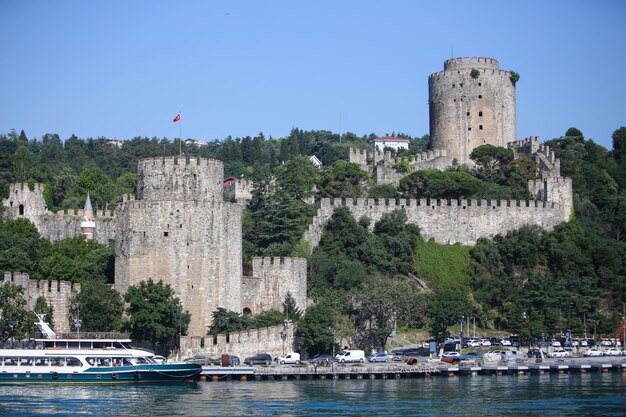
{"x": 87, "y": 225}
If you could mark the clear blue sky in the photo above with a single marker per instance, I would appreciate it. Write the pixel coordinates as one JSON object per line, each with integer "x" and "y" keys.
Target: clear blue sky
{"x": 125, "y": 68}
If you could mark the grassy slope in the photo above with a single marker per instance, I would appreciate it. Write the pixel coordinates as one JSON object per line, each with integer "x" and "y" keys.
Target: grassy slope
{"x": 442, "y": 265}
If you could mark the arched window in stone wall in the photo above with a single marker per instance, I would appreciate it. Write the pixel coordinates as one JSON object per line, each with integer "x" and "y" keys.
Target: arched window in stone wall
{"x": 21, "y": 209}
{"x": 247, "y": 311}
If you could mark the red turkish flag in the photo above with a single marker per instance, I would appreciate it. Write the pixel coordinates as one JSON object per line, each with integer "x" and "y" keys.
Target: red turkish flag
{"x": 177, "y": 118}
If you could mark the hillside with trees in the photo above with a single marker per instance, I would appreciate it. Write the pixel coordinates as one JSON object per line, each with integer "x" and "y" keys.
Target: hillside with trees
{"x": 366, "y": 279}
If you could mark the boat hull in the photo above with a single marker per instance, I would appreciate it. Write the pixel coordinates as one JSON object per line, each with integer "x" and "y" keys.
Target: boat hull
{"x": 105, "y": 375}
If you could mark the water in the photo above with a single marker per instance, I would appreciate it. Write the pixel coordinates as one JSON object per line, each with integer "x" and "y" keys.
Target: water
{"x": 524, "y": 395}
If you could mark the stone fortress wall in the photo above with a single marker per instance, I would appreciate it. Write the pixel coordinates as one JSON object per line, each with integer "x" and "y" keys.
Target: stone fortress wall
{"x": 271, "y": 280}
{"x": 178, "y": 230}
{"x": 447, "y": 221}
{"x": 30, "y": 204}
{"x": 380, "y": 165}
{"x": 466, "y": 111}
{"x": 56, "y": 293}
{"x": 273, "y": 340}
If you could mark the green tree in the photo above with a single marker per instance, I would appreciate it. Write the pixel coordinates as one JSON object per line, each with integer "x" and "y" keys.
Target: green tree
{"x": 76, "y": 259}
{"x": 226, "y": 321}
{"x": 490, "y": 160}
{"x": 99, "y": 186}
{"x": 291, "y": 310}
{"x": 23, "y": 163}
{"x": 98, "y": 305}
{"x": 13, "y": 313}
{"x": 439, "y": 184}
{"x": 20, "y": 246}
{"x": 446, "y": 307}
{"x": 343, "y": 180}
{"x": 316, "y": 329}
{"x": 155, "y": 314}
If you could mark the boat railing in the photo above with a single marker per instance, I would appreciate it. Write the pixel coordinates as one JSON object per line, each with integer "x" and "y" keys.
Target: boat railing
{"x": 93, "y": 335}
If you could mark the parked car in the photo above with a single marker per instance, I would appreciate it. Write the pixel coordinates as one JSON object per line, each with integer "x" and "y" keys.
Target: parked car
{"x": 259, "y": 359}
{"x": 560, "y": 353}
{"x": 351, "y": 356}
{"x": 536, "y": 353}
{"x": 505, "y": 342}
{"x": 199, "y": 360}
{"x": 555, "y": 343}
{"x": 613, "y": 352}
{"x": 378, "y": 357}
{"x": 473, "y": 342}
{"x": 485, "y": 342}
{"x": 290, "y": 358}
{"x": 322, "y": 360}
{"x": 593, "y": 352}
{"x": 450, "y": 355}
{"x": 475, "y": 355}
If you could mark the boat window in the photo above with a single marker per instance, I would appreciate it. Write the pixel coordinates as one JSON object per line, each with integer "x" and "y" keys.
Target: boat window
{"x": 98, "y": 345}
{"x": 10, "y": 361}
{"x": 85, "y": 345}
{"x": 126, "y": 345}
{"x": 57, "y": 361}
{"x": 126, "y": 362}
{"x": 41, "y": 361}
{"x": 141, "y": 360}
{"x": 71, "y": 361}
{"x": 26, "y": 362}
{"x": 72, "y": 345}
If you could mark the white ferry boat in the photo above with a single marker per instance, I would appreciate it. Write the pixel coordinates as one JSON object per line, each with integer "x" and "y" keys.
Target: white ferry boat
{"x": 95, "y": 359}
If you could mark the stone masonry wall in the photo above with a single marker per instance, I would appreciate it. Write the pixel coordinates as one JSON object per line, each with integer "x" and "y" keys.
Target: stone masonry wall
{"x": 180, "y": 231}
{"x": 54, "y": 226}
{"x": 466, "y": 112}
{"x": 272, "y": 279}
{"x": 57, "y": 294}
{"x": 243, "y": 344}
{"x": 448, "y": 221}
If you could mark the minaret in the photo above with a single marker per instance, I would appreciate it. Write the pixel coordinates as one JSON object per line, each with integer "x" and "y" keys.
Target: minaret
{"x": 88, "y": 226}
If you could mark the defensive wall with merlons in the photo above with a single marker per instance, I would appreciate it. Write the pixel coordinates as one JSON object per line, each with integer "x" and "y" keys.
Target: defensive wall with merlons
{"x": 57, "y": 294}
{"x": 447, "y": 221}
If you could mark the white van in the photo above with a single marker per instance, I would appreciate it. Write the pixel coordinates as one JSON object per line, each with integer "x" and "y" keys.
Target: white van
{"x": 351, "y": 356}
{"x": 292, "y": 358}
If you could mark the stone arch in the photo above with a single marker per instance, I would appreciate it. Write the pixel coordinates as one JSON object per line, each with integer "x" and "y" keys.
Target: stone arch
{"x": 21, "y": 209}
{"x": 247, "y": 311}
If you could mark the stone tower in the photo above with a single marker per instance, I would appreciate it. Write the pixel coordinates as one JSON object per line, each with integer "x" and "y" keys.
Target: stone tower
{"x": 87, "y": 225}
{"x": 472, "y": 103}
{"x": 179, "y": 230}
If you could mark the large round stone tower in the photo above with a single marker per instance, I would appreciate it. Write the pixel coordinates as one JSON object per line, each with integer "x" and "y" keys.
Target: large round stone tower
{"x": 472, "y": 103}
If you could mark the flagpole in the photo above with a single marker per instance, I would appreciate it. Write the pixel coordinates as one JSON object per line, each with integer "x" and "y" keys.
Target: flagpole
{"x": 180, "y": 136}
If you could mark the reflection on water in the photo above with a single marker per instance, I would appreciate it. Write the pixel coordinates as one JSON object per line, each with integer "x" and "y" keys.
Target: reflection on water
{"x": 527, "y": 395}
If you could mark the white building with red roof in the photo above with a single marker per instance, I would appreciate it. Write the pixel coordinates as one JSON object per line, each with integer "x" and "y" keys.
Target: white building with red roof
{"x": 389, "y": 142}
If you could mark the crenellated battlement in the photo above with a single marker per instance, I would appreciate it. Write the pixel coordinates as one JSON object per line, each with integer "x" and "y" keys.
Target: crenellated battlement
{"x": 492, "y": 72}
{"x": 531, "y": 146}
{"x": 179, "y": 178}
{"x": 390, "y": 205}
{"x": 471, "y": 62}
{"x": 57, "y": 294}
{"x": 453, "y": 220}
{"x": 280, "y": 262}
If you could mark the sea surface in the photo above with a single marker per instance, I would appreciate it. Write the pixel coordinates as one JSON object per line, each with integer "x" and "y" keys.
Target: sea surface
{"x": 525, "y": 395}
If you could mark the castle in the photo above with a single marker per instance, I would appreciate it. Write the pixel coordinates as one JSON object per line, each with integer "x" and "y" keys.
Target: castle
{"x": 180, "y": 230}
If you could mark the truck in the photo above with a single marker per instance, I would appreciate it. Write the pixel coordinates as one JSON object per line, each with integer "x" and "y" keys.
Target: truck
{"x": 351, "y": 356}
